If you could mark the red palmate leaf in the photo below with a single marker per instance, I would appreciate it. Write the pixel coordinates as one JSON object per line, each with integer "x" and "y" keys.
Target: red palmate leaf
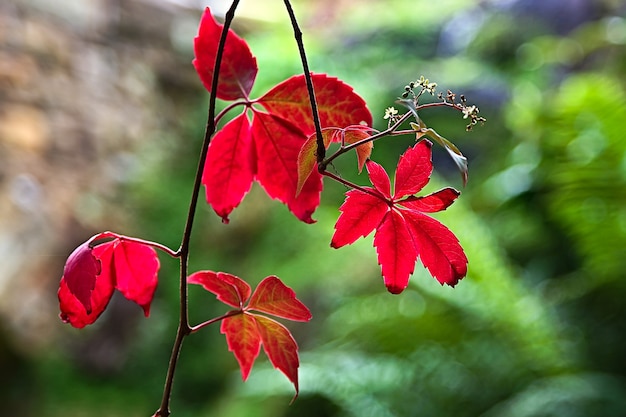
{"x": 85, "y": 291}
{"x": 267, "y": 149}
{"x": 338, "y": 104}
{"x": 404, "y": 233}
{"x": 245, "y": 331}
{"x": 273, "y": 297}
{"x": 228, "y": 175}
{"x": 280, "y": 347}
{"x": 229, "y": 289}
{"x": 243, "y": 339}
{"x": 239, "y": 67}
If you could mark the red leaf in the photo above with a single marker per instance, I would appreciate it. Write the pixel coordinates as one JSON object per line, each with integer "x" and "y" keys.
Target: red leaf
{"x": 230, "y": 166}
{"x": 438, "y": 248}
{"x": 414, "y": 169}
{"x": 73, "y": 310}
{"x": 396, "y": 252}
{"x": 272, "y": 296}
{"x": 379, "y": 178}
{"x": 135, "y": 267}
{"x": 338, "y": 104}
{"x": 280, "y": 347}
{"x": 360, "y": 214}
{"x": 404, "y": 232}
{"x": 80, "y": 273}
{"x": 239, "y": 67}
{"x": 278, "y": 143}
{"x": 354, "y": 134}
{"x": 243, "y": 339}
{"x": 229, "y": 289}
{"x": 431, "y": 203}
{"x": 307, "y": 156}
{"x": 130, "y": 267}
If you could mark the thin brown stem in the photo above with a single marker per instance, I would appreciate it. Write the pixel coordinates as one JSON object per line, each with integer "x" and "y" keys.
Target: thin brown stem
{"x": 389, "y": 131}
{"x": 216, "y": 319}
{"x": 354, "y": 186}
{"x": 183, "y": 323}
{"x": 297, "y": 33}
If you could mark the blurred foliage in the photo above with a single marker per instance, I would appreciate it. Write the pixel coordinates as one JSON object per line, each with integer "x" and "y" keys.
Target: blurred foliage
{"x": 538, "y": 326}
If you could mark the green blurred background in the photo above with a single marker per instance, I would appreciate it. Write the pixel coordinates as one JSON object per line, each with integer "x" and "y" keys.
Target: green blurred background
{"x": 101, "y": 118}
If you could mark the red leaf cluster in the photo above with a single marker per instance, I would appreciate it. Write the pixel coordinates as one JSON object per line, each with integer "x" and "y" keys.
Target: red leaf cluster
{"x": 247, "y": 331}
{"x": 403, "y": 232}
{"x": 96, "y": 268}
{"x": 265, "y": 146}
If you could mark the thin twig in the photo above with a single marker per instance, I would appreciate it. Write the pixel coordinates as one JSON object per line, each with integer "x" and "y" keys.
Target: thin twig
{"x": 183, "y": 323}
{"x": 297, "y": 33}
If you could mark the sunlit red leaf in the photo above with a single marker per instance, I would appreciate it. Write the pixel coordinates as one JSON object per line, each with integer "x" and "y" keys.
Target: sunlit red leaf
{"x": 228, "y": 288}
{"x": 396, "y": 252}
{"x": 404, "y": 233}
{"x": 239, "y": 67}
{"x": 360, "y": 214}
{"x": 280, "y": 347}
{"x": 230, "y": 166}
{"x": 278, "y": 143}
{"x": 243, "y": 339}
{"x": 438, "y": 248}
{"x": 338, "y": 104}
{"x": 273, "y": 297}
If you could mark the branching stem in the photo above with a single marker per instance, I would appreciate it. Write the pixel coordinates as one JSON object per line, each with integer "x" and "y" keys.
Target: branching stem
{"x": 183, "y": 323}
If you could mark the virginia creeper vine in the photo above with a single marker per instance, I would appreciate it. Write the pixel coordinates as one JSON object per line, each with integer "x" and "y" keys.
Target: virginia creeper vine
{"x": 284, "y": 149}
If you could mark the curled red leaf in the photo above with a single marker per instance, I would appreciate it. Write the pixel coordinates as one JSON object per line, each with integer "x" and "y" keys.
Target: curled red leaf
{"x": 85, "y": 290}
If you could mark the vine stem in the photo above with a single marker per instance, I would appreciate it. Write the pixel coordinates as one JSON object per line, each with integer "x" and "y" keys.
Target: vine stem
{"x": 389, "y": 131}
{"x": 183, "y": 322}
{"x": 297, "y": 33}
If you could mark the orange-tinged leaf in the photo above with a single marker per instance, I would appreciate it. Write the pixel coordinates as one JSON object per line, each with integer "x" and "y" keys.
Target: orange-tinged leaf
{"x": 272, "y": 296}
{"x": 307, "y": 157}
{"x": 338, "y": 104}
{"x": 354, "y": 134}
{"x": 280, "y": 347}
{"x": 243, "y": 339}
{"x": 228, "y": 288}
